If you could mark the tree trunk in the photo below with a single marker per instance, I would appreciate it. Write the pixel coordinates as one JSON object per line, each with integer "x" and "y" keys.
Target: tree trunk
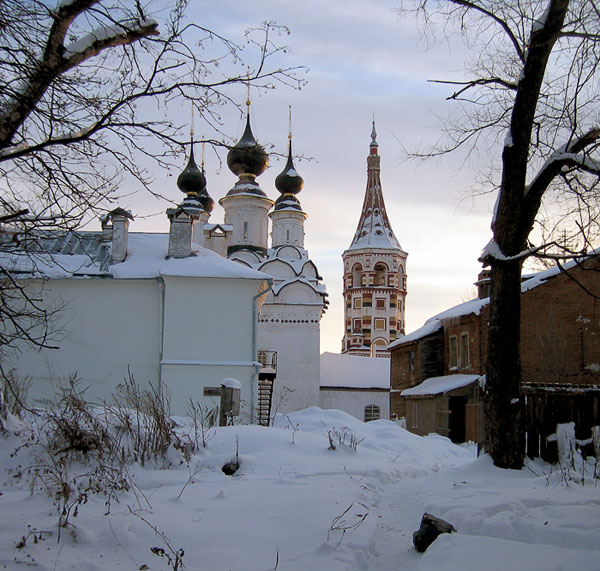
{"x": 504, "y": 422}
{"x": 503, "y": 406}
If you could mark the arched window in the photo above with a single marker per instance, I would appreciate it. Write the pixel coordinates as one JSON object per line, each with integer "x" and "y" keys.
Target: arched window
{"x": 356, "y": 275}
{"x": 380, "y": 274}
{"x": 372, "y": 412}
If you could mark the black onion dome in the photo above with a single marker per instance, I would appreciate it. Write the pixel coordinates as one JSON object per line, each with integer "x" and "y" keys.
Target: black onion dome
{"x": 206, "y": 201}
{"x": 289, "y": 181}
{"x": 247, "y": 156}
{"x": 192, "y": 180}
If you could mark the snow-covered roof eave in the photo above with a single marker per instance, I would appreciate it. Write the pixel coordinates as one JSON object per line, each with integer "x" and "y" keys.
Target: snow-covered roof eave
{"x": 440, "y": 385}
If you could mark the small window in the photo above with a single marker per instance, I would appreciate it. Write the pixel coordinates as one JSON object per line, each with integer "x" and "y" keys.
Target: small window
{"x": 379, "y": 324}
{"x": 380, "y": 303}
{"x": 464, "y": 351}
{"x": 357, "y": 302}
{"x": 414, "y": 416}
{"x": 372, "y": 412}
{"x": 245, "y": 230}
{"x": 453, "y": 352}
{"x": 287, "y": 236}
{"x": 357, "y": 326}
{"x": 411, "y": 361}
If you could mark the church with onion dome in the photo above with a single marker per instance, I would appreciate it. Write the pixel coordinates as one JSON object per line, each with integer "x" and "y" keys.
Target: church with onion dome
{"x": 210, "y": 304}
{"x": 268, "y": 236}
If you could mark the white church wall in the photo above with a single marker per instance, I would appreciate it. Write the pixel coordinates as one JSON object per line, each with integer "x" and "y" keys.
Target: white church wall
{"x": 104, "y": 327}
{"x": 208, "y": 319}
{"x": 354, "y": 401}
{"x": 188, "y": 381}
{"x": 294, "y": 333}
{"x": 208, "y": 337}
{"x": 110, "y": 326}
{"x": 248, "y": 216}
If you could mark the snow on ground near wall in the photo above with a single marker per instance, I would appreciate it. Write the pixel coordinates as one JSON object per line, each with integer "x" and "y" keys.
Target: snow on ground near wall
{"x": 278, "y": 509}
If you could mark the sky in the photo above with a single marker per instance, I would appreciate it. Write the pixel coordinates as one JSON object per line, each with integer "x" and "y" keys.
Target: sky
{"x": 296, "y": 504}
{"x": 362, "y": 62}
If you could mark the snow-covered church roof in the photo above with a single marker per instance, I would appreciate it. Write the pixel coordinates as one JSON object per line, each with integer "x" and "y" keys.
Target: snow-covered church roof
{"x": 288, "y": 265}
{"x": 83, "y": 254}
{"x": 351, "y": 371}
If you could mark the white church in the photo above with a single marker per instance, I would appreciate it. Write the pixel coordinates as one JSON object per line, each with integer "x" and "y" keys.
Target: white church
{"x": 206, "y": 302}
{"x": 215, "y": 300}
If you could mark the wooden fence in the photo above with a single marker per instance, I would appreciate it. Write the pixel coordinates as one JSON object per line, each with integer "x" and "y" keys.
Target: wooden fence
{"x": 549, "y": 405}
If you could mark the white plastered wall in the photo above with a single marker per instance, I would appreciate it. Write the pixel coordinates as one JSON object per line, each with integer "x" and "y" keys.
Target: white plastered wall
{"x": 103, "y": 327}
{"x": 354, "y": 401}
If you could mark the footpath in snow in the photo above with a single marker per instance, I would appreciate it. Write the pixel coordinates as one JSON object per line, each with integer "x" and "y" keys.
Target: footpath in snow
{"x": 297, "y": 504}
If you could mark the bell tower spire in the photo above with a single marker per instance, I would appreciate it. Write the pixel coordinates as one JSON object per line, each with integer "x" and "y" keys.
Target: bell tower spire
{"x": 374, "y": 272}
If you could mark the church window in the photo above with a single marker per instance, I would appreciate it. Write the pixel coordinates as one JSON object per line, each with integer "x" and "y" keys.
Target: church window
{"x": 287, "y": 236}
{"x": 380, "y": 303}
{"x": 379, "y": 323}
{"x": 372, "y": 412}
{"x": 356, "y": 326}
{"x": 357, "y": 275}
{"x": 380, "y": 274}
{"x": 411, "y": 361}
{"x": 357, "y": 302}
{"x": 453, "y": 352}
{"x": 245, "y": 230}
{"x": 464, "y": 351}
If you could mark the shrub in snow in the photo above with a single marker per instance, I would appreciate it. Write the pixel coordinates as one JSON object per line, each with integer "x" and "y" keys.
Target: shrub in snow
{"x": 571, "y": 462}
{"x": 76, "y": 450}
{"x": 342, "y": 437}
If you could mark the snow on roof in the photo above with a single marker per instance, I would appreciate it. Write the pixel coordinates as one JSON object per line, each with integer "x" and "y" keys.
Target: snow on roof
{"x": 351, "y": 371}
{"x": 434, "y": 323}
{"x": 384, "y": 241}
{"x": 439, "y": 385}
{"x": 431, "y": 326}
{"x": 146, "y": 258}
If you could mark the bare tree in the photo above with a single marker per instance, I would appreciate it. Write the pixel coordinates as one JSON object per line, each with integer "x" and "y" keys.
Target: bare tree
{"x": 87, "y": 89}
{"x": 531, "y": 92}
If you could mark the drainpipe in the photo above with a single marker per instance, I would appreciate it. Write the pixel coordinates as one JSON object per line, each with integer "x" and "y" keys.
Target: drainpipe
{"x": 254, "y": 347}
{"x": 161, "y": 297}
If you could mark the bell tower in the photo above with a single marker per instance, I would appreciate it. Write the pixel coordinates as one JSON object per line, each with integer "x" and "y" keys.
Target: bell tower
{"x": 374, "y": 273}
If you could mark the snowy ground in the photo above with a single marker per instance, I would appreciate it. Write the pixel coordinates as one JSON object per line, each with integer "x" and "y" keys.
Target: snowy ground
{"x": 281, "y": 510}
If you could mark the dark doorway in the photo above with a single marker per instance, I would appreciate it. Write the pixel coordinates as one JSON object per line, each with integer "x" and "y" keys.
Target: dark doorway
{"x": 456, "y": 405}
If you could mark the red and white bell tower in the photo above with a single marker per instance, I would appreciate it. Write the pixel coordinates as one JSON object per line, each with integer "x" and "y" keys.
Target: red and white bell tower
{"x": 374, "y": 274}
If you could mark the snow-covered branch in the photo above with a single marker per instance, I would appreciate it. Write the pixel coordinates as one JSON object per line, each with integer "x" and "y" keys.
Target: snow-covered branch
{"x": 493, "y": 253}
{"x": 570, "y": 155}
{"x": 97, "y": 41}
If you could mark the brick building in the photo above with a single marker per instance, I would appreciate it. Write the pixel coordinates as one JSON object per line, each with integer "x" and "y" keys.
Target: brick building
{"x": 434, "y": 370}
